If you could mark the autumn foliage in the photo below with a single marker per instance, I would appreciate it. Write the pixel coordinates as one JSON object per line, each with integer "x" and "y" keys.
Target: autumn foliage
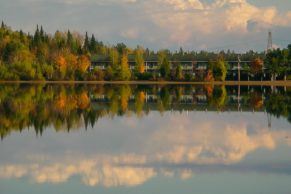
{"x": 257, "y": 65}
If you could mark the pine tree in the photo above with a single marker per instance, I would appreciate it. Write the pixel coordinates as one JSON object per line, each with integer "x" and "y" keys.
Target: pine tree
{"x": 86, "y": 43}
{"x": 41, "y": 33}
{"x": 69, "y": 38}
{"x": 2, "y": 25}
{"x": 36, "y": 38}
{"x": 21, "y": 35}
{"x": 92, "y": 46}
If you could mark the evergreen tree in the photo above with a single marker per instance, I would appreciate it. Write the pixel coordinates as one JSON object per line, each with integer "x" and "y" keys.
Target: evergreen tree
{"x": 21, "y": 35}
{"x": 2, "y": 25}
{"x": 93, "y": 44}
{"x": 41, "y": 34}
{"x": 69, "y": 39}
{"x": 121, "y": 47}
{"x": 86, "y": 43}
{"x": 36, "y": 38}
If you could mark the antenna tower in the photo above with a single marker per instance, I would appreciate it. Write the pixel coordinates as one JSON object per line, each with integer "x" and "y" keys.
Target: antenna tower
{"x": 269, "y": 116}
{"x": 270, "y": 41}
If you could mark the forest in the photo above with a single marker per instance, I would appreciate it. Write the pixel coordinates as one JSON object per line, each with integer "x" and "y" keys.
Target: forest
{"x": 67, "y": 56}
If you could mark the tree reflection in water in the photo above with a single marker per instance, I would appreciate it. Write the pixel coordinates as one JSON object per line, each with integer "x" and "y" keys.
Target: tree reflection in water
{"x": 67, "y": 107}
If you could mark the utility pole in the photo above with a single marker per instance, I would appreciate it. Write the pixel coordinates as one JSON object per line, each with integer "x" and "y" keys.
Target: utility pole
{"x": 238, "y": 68}
{"x": 238, "y": 77}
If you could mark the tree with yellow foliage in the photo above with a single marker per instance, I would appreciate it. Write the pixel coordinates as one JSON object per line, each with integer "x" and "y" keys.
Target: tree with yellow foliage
{"x": 124, "y": 72}
{"x": 139, "y": 102}
{"x": 61, "y": 65}
{"x": 139, "y": 60}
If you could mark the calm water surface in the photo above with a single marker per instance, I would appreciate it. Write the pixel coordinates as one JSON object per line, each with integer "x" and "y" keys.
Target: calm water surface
{"x": 145, "y": 139}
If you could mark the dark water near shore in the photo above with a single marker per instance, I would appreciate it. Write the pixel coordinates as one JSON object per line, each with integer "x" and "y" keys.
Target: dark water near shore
{"x": 145, "y": 139}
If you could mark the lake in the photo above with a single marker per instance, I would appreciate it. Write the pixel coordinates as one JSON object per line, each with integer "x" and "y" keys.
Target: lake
{"x": 145, "y": 139}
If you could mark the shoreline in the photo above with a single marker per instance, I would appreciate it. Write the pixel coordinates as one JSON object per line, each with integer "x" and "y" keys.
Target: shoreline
{"x": 243, "y": 83}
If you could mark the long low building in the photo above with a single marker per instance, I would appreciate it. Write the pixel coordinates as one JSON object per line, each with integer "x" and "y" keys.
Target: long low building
{"x": 187, "y": 66}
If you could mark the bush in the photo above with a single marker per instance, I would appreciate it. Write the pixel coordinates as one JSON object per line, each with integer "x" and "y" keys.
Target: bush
{"x": 144, "y": 76}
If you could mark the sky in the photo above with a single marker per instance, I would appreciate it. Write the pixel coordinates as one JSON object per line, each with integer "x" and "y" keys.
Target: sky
{"x": 157, "y": 24}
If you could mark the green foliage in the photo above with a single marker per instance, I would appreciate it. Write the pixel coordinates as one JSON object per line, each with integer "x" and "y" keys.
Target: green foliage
{"x": 164, "y": 64}
{"x": 93, "y": 45}
{"x": 109, "y": 73}
{"x": 278, "y": 62}
{"x": 219, "y": 97}
{"x": 121, "y": 48}
{"x": 144, "y": 76}
{"x": 86, "y": 46}
{"x": 179, "y": 73}
{"x": 98, "y": 74}
{"x": 218, "y": 68}
{"x": 189, "y": 77}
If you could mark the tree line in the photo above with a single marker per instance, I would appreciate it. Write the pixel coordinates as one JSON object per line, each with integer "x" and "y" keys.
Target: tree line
{"x": 67, "y": 56}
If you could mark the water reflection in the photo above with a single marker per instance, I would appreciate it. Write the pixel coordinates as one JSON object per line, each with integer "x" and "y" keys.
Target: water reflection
{"x": 67, "y": 107}
{"x": 141, "y": 132}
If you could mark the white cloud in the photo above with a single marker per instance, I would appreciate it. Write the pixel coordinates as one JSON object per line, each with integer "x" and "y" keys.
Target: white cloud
{"x": 207, "y": 142}
{"x": 154, "y": 23}
{"x": 183, "y": 4}
{"x": 91, "y": 173}
{"x": 186, "y": 21}
{"x": 130, "y": 33}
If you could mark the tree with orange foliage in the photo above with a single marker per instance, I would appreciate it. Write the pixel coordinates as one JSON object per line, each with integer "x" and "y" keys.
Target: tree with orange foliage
{"x": 257, "y": 65}
{"x": 83, "y": 63}
{"x": 209, "y": 90}
{"x": 83, "y": 100}
{"x": 209, "y": 77}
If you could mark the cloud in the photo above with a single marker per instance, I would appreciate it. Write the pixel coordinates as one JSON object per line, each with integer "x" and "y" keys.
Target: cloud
{"x": 183, "y": 5}
{"x": 91, "y": 173}
{"x": 130, "y": 33}
{"x": 208, "y": 142}
{"x": 220, "y": 17}
{"x": 193, "y": 24}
